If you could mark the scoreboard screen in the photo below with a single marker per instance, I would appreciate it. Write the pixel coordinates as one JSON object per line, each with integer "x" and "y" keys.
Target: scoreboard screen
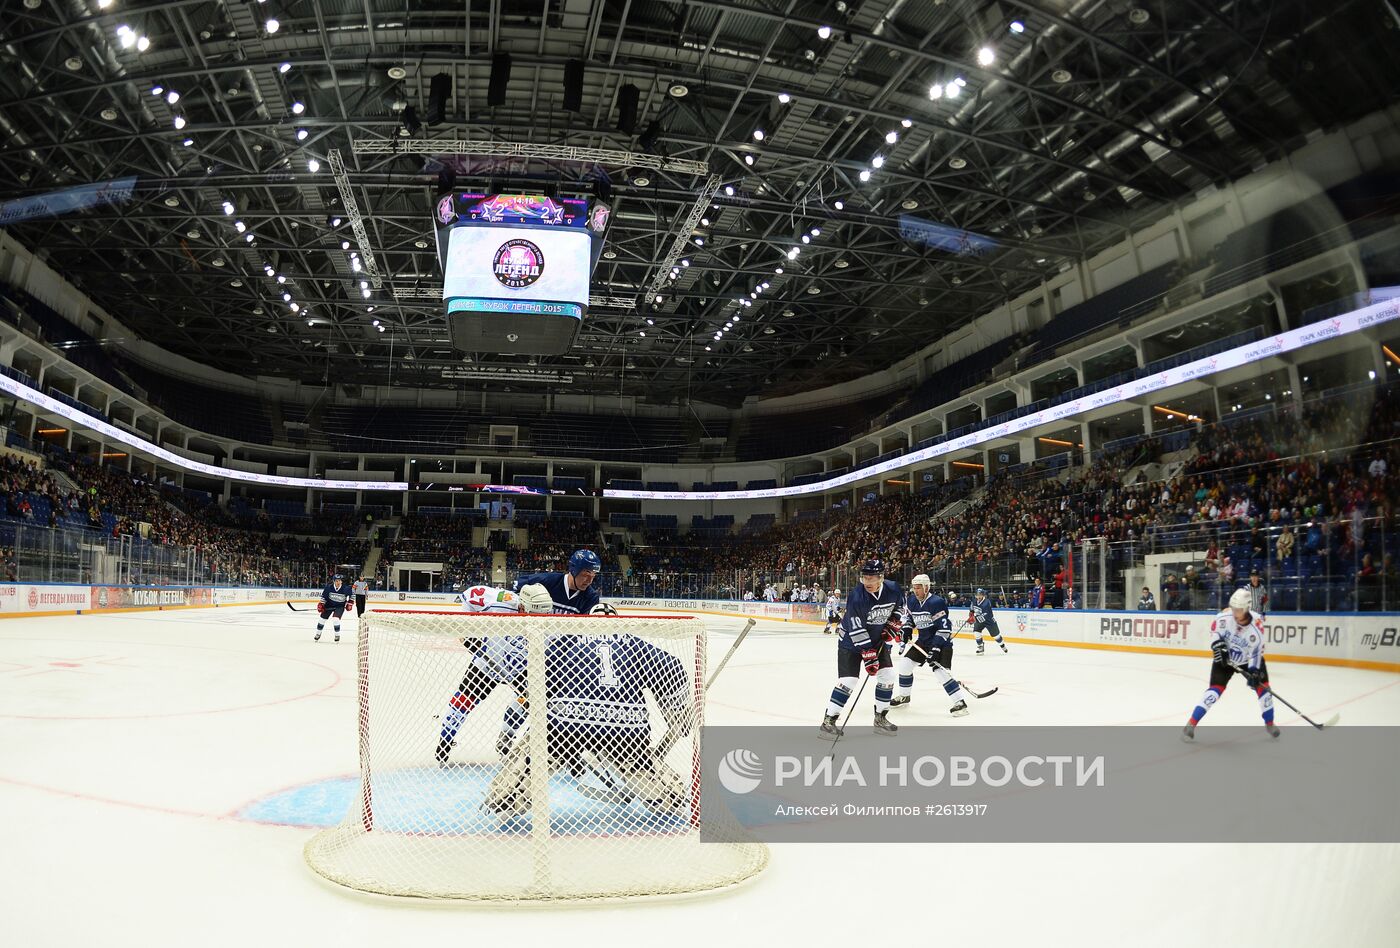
{"x": 516, "y": 269}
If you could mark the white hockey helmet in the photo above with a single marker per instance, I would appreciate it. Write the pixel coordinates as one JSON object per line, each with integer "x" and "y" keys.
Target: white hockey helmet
{"x": 1241, "y": 599}
{"x": 921, "y": 580}
{"x": 536, "y": 599}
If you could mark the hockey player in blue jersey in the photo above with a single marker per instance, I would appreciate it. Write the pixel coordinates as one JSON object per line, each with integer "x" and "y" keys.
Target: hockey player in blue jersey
{"x": 927, "y": 612}
{"x": 333, "y": 599}
{"x": 871, "y": 625}
{"x": 980, "y": 615}
{"x": 598, "y": 726}
{"x": 573, "y": 592}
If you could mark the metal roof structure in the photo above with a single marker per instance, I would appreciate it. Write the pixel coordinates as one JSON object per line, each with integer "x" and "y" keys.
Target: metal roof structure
{"x": 825, "y": 186}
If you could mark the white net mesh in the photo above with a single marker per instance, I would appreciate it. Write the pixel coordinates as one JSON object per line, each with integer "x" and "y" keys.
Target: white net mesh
{"x": 452, "y": 804}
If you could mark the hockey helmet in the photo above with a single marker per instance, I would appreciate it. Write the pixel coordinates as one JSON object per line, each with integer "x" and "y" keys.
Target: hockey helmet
{"x": 584, "y": 560}
{"x": 921, "y": 580}
{"x": 337, "y": 578}
{"x": 872, "y": 568}
{"x": 981, "y": 590}
{"x": 1241, "y": 599}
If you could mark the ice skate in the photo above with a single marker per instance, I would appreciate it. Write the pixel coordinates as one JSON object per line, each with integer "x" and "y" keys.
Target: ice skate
{"x": 958, "y": 710}
{"x": 900, "y": 701}
{"x": 829, "y": 728}
{"x": 883, "y": 725}
{"x": 1188, "y": 733}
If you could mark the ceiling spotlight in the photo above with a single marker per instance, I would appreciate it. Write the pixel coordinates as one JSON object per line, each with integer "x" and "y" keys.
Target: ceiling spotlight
{"x": 109, "y": 114}
{"x": 364, "y": 294}
{"x": 240, "y": 226}
{"x": 678, "y": 90}
{"x": 188, "y": 142}
{"x": 301, "y": 134}
{"x": 284, "y": 68}
{"x": 157, "y": 90}
{"x": 658, "y": 298}
{"x": 73, "y": 63}
{"x": 298, "y": 108}
{"x": 179, "y": 121}
{"x": 907, "y": 123}
{"x": 272, "y": 26}
{"x": 792, "y": 254}
{"x": 143, "y": 43}
{"x": 908, "y": 204}
{"x": 816, "y": 231}
{"x": 249, "y": 237}
{"x": 865, "y": 174}
{"x": 192, "y": 234}
{"x": 935, "y": 91}
{"x": 125, "y": 36}
{"x": 1017, "y": 26}
{"x": 824, "y": 32}
{"x": 699, "y": 241}
{"x": 228, "y": 207}
{"x": 313, "y": 166}
{"x": 952, "y": 90}
{"x": 172, "y": 97}
{"x": 729, "y": 190}
{"x": 841, "y": 264}
{"x": 840, "y": 205}
{"x": 777, "y": 269}
{"x": 364, "y": 284}
{"x": 1061, "y": 76}
{"x": 286, "y": 297}
{"x": 335, "y": 221}
{"x": 355, "y": 264}
{"x": 758, "y": 134}
{"x": 1137, "y": 16}
{"x": 281, "y": 278}
{"x": 806, "y": 239}
{"x": 878, "y": 161}
{"x": 748, "y": 160}
{"x": 784, "y": 98}
{"x": 985, "y": 56}
{"x": 957, "y": 162}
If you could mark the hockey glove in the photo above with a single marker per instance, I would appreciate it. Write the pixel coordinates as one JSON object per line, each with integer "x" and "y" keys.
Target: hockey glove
{"x": 871, "y": 657}
{"x": 1220, "y": 650}
{"x": 1251, "y": 677}
{"x": 893, "y": 633}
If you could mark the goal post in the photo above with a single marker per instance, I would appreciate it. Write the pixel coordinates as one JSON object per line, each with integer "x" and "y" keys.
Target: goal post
{"x": 455, "y": 713}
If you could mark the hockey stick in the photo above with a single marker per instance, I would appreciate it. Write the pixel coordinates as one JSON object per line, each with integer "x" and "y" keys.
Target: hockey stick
{"x": 1330, "y": 722}
{"x": 295, "y": 609}
{"x": 729, "y": 654}
{"x": 841, "y": 731}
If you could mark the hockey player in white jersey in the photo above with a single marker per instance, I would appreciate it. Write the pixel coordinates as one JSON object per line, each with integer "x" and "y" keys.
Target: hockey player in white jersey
{"x": 495, "y": 660}
{"x": 927, "y": 614}
{"x": 598, "y": 727}
{"x": 833, "y": 613}
{"x": 1237, "y": 645}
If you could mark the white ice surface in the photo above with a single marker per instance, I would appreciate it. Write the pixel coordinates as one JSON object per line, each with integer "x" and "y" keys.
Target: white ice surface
{"x": 127, "y": 743}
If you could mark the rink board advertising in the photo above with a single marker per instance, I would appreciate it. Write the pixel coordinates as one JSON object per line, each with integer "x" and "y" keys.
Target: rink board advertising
{"x": 1056, "y": 784}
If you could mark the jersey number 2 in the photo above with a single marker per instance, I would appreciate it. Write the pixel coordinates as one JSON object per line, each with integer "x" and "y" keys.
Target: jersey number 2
{"x": 606, "y": 676}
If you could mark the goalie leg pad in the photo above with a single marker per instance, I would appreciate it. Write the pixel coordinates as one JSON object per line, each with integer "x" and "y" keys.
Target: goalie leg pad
{"x": 509, "y": 793}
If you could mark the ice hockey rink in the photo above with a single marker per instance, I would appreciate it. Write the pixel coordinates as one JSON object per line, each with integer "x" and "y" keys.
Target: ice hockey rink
{"x": 161, "y": 772}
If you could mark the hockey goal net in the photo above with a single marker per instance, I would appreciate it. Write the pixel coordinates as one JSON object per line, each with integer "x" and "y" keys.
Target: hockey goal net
{"x": 456, "y": 712}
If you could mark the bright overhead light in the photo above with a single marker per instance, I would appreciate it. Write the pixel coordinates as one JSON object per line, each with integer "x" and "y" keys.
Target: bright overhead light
{"x": 806, "y": 239}
{"x": 313, "y": 166}
{"x": 865, "y": 174}
{"x": 157, "y": 90}
{"x": 281, "y": 278}
{"x": 748, "y": 160}
{"x": 953, "y": 90}
{"x": 301, "y": 134}
{"x": 249, "y": 238}
{"x": 699, "y": 241}
{"x": 985, "y": 56}
{"x": 878, "y": 161}
{"x": 816, "y": 231}
{"x": 286, "y": 297}
{"x": 758, "y": 134}
{"x": 784, "y": 98}
{"x": 364, "y": 293}
{"x": 792, "y": 254}
{"x": 285, "y": 68}
{"x": 840, "y": 205}
{"x": 298, "y": 108}
{"x": 777, "y": 269}
{"x": 240, "y": 226}
{"x": 824, "y": 32}
{"x": 685, "y": 262}
{"x": 1017, "y": 26}
{"x": 907, "y": 123}
{"x": 364, "y": 284}
{"x": 103, "y": 4}
{"x": 729, "y": 190}
{"x": 355, "y": 264}
{"x": 179, "y": 121}
{"x": 172, "y": 97}
{"x": 935, "y": 91}
{"x": 345, "y": 245}
{"x": 125, "y": 36}
{"x": 335, "y": 221}
{"x": 143, "y": 43}
{"x": 891, "y": 137}
{"x": 272, "y": 25}
{"x": 188, "y": 142}
{"x": 658, "y": 297}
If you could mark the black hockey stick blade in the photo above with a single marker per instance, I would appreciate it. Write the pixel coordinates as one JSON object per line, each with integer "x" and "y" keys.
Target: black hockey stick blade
{"x": 294, "y": 608}
{"x": 980, "y": 694}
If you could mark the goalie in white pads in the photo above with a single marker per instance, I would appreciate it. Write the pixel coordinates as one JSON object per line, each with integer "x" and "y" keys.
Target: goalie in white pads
{"x": 1237, "y": 645}
{"x": 932, "y": 644}
{"x": 598, "y": 727}
{"x": 494, "y": 660}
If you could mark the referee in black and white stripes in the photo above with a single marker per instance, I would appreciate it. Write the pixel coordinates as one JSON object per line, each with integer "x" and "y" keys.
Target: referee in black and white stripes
{"x": 361, "y": 589}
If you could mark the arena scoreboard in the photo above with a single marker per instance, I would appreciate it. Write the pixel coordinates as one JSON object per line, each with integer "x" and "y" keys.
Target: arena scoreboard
{"x": 516, "y": 269}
